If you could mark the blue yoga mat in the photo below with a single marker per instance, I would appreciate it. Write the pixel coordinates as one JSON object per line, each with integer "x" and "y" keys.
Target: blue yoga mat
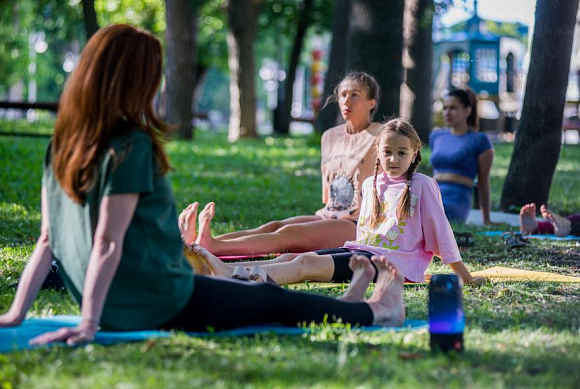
{"x": 17, "y": 338}
{"x": 539, "y": 236}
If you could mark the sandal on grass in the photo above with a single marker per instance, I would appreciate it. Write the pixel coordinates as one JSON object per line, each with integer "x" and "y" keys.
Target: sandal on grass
{"x": 514, "y": 240}
{"x": 259, "y": 274}
{"x": 241, "y": 273}
{"x": 464, "y": 239}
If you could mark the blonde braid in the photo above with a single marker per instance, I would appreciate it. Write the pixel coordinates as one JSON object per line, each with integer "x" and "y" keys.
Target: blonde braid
{"x": 376, "y": 210}
{"x": 404, "y": 208}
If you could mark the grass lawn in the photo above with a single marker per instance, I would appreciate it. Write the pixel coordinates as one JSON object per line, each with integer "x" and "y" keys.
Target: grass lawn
{"x": 517, "y": 335}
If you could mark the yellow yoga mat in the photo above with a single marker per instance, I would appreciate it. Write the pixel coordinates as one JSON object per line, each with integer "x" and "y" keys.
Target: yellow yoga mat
{"x": 496, "y": 273}
{"x": 500, "y": 273}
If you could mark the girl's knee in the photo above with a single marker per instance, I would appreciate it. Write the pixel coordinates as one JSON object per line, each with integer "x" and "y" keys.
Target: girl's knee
{"x": 307, "y": 265}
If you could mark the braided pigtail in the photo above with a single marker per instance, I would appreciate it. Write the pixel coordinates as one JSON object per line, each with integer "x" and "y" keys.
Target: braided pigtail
{"x": 404, "y": 207}
{"x": 376, "y": 210}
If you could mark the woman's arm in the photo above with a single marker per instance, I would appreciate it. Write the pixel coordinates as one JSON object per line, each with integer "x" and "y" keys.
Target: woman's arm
{"x": 484, "y": 162}
{"x": 115, "y": 214}
{"x": 34, "y": 274}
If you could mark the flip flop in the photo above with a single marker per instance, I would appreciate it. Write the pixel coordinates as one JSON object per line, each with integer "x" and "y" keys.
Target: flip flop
{"x": 464, "y": 239}
{"x": 514, "y": 240}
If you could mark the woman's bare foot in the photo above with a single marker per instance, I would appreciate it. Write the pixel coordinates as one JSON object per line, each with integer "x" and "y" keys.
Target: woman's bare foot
{"x": 363, "y": 273}
{"x": 187, "y": 223}
{"x": 528, "y": 222}
{"x": 387, "y": 299}
{"x": 562, "y": 226}
{"x": 206, "y": 215}
{"x": 215, "y": 265}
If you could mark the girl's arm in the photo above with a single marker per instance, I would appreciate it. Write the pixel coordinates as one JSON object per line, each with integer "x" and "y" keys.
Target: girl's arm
{"x": 34, "y": 274}
{"x": 484, "y": 162}
{"x": 115, "y": 214}
{"x": 460, "y": 269}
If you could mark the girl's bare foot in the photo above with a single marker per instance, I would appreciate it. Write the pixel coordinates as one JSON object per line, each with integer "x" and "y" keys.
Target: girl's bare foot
{"x": 528, "y": 222}
{"x": 197, "y": 263}
{"x": 187, "y": 223}
{"x": 387, "y": 299}
{"x": 204, "y": 238}
{"x": 215, "y": 265}
{"x": 562, "y": 226}
{"x": 363, "y": 273}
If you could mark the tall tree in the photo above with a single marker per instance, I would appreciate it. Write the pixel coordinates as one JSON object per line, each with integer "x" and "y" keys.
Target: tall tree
{"x": 90, "y": 15}
{"x": 242, "y": 16}
{"x": 283, "y": 114}
{"x": 416, "y": 92}
{"x": 375, "y": 45}
{"x": 539, "y": 134}
{"x": 330, "y": 114}
{"x": 181, "y": 64}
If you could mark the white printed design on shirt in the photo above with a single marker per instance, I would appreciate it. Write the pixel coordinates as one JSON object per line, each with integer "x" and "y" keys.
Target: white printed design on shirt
{"x": 388, "y": 227}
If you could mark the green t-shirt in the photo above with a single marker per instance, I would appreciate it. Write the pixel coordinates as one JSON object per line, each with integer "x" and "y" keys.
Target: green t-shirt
{"x": 153, "y": 281}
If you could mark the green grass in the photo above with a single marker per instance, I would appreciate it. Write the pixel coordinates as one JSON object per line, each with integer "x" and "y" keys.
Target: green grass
{"x": 518, "y": 334}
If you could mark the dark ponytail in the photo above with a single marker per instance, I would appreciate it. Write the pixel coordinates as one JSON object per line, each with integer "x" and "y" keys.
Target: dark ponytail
{"x": 467, "y": 98}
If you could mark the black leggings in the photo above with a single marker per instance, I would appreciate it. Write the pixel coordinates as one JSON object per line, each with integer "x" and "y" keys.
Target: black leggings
{"x": 341, "y": 258}
{"x": 223, "y": 304}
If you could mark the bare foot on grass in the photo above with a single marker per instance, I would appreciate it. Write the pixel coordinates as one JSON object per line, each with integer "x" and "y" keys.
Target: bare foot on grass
{"x": 528, "y": 223}
{"x": 214, "y": 264}
{"x": 387, "y": 299}
{"x": 562, "y": 226}
{"x": 187, "y": 223}
{"x": 206, "y": 215}
{"x": 363, "y": 273}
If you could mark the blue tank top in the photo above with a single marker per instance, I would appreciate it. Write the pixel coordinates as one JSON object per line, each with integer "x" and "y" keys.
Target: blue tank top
{"x": 457, "y": 153}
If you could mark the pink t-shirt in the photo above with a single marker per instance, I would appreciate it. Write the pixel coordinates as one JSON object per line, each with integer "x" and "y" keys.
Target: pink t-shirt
{"x": 409, "y": 244}
{"x": 347, "y": 160}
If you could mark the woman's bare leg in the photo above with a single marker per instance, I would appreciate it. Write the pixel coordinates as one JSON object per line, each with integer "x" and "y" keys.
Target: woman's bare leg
{"x": 387, "y": 299}
{"x": 301, "y": 237}
{"x": 269, "y": 227}
{"x": 562, "y": 226}
{"x": 528, "y": 222}
{"x": 362, "y": 275}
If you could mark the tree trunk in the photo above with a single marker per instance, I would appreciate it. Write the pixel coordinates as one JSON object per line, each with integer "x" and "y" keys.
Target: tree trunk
{"x": 90, "y": 16}
{"x": 539, "y": 134}
{"x": 329, "y": 116}
{"x": 286, "y": 111}
{"x": 242, "y": 18}
{"x": 375, "y": 45}
{"x": 201, "y": 72}
{"x": 180, "y": 67}
{"x": 416, "y": 93}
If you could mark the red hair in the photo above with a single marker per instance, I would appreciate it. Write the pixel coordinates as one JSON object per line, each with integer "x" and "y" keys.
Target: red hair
{"x": 110, "y": 91}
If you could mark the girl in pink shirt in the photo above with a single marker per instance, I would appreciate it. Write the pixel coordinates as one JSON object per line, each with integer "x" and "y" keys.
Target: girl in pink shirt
{"x": 401, "y": 218}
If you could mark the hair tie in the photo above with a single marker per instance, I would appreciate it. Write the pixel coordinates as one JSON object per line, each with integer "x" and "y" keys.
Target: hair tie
{"x": 409, "y": 183}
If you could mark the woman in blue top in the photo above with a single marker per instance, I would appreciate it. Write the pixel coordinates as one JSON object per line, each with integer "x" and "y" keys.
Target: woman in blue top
{"x": 459, "y": 154}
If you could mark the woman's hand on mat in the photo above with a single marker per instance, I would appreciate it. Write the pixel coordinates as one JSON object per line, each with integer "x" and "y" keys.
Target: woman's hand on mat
{"x": 10, "y": 320}
{"x": 71, "y": 335}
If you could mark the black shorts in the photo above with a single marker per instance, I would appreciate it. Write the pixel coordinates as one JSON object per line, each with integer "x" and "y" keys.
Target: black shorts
{"x": 341, "y": 258}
